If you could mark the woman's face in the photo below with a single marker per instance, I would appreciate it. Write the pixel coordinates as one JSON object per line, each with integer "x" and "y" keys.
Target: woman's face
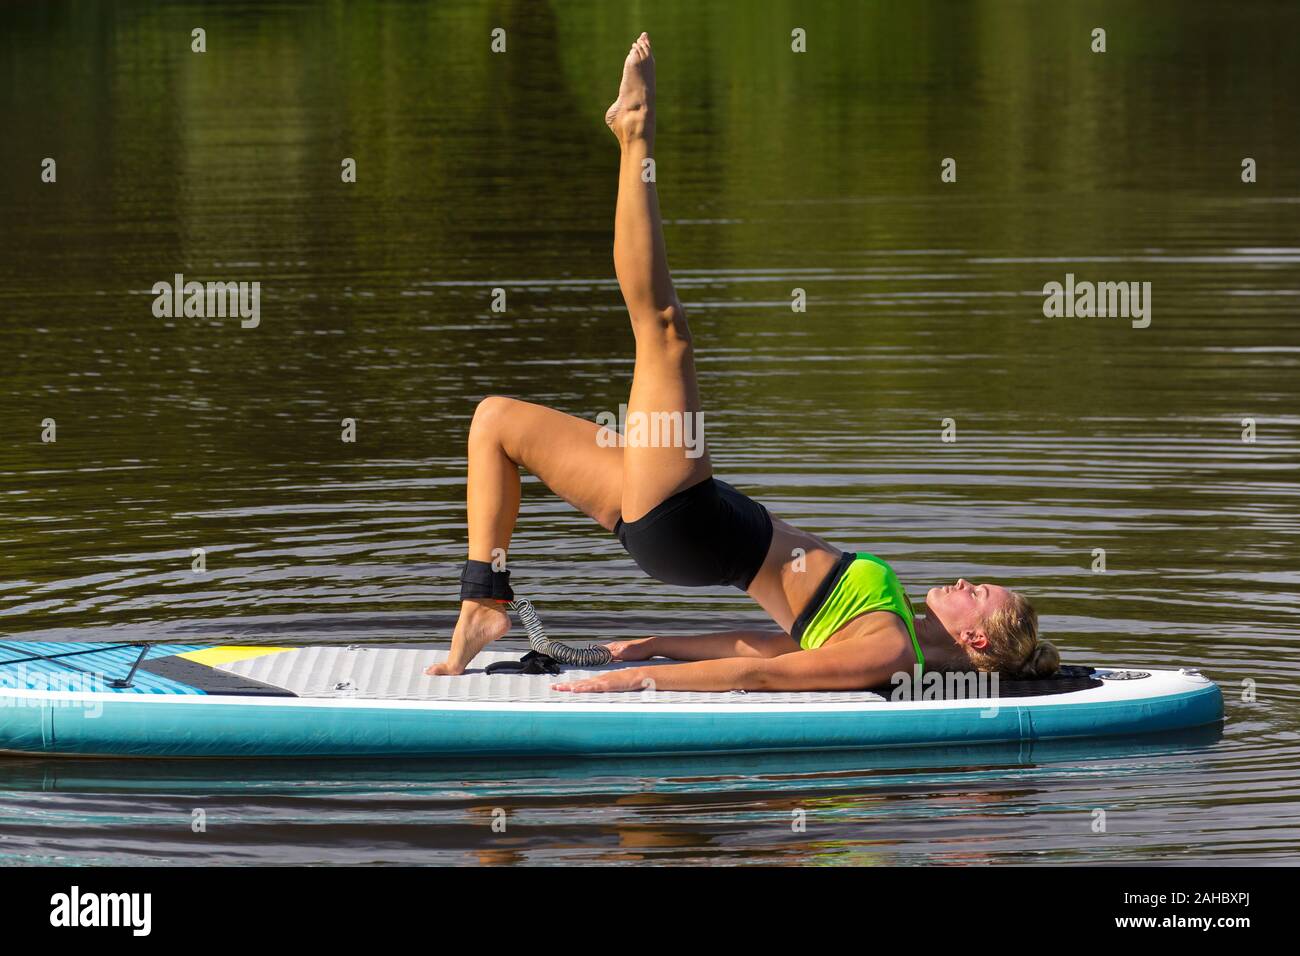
{"x": 963, "y": 607}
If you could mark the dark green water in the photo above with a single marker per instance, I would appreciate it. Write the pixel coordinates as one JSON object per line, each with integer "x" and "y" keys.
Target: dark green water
{"x": 776, "y": 171}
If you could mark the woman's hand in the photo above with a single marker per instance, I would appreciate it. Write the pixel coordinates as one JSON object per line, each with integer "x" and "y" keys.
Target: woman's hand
{"x": 631, "y": 678}
{"x": 641, "y": 649}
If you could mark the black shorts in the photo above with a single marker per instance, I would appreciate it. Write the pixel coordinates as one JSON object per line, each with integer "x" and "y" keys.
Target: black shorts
{"x": 703, "y": 536}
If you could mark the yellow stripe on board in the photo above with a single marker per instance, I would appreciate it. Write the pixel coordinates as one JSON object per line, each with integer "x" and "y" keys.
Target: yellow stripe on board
{"x": 216, "y": 656}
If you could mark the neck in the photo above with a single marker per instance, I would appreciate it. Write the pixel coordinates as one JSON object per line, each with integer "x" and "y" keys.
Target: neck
{"x": 940, "y": 650}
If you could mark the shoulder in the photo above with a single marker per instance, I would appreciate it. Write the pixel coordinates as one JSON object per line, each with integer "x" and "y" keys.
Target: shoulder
{"x": 883, "y": 631}
{"x": 865, "y": 652}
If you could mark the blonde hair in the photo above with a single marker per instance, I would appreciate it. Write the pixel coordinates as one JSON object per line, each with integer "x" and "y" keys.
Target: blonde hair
{"x": 1014, "y": 649}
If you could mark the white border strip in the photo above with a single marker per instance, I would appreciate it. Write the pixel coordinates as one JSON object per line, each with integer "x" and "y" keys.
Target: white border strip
{"x": 1164, "y": 683}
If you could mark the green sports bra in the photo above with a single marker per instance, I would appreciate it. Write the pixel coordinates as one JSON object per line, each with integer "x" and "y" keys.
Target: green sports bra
{"x": 859, "y": 582}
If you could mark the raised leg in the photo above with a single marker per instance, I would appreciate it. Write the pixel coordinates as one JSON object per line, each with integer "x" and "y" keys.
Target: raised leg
{"x": 664, "y": 381}
{"x": 563, "y": 451}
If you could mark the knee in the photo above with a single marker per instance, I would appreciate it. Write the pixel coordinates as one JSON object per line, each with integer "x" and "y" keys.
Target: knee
{"x": 668, "y": 324}
{"x": 674, "y": 320}
{"x": 489, "y": 415}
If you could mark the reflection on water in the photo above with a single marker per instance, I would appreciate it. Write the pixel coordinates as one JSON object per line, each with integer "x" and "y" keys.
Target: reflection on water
{"x": 777, "y": 172}
{"x": 933, "y": 804}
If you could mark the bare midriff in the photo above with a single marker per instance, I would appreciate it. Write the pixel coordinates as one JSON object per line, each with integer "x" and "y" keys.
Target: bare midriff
{"x": 795, "y": 565}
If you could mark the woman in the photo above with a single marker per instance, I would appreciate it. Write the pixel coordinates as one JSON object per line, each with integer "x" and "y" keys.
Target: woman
{"x": 846, "y": 621}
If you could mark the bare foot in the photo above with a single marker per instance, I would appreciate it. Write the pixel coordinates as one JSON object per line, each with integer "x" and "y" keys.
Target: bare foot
{"x": 481, "y": 623}
{"x": 639, "y": 649}
{"x": 632, "y": 114}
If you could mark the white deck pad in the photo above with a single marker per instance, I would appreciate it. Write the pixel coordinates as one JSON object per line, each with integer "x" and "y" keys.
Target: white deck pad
{"x": 397, "y": 674}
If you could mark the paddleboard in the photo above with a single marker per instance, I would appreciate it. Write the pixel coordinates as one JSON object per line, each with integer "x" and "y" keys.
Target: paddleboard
{"x": 186, "y": 700}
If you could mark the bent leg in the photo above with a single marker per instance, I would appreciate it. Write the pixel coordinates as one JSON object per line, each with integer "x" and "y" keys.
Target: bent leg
{"x": 664, "y": 387}
{"x": 561, "y": 450}
{"x": 564, "y": 454}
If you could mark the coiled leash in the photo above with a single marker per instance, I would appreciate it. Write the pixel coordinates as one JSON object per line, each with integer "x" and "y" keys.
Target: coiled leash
{"x": 479, "y": 580}
{"x": 593, "y": 655}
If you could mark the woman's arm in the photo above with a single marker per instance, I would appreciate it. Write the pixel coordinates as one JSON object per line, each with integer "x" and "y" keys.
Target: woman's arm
{"x": 705, "y": 647}
{"x": 855, "y": 664}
